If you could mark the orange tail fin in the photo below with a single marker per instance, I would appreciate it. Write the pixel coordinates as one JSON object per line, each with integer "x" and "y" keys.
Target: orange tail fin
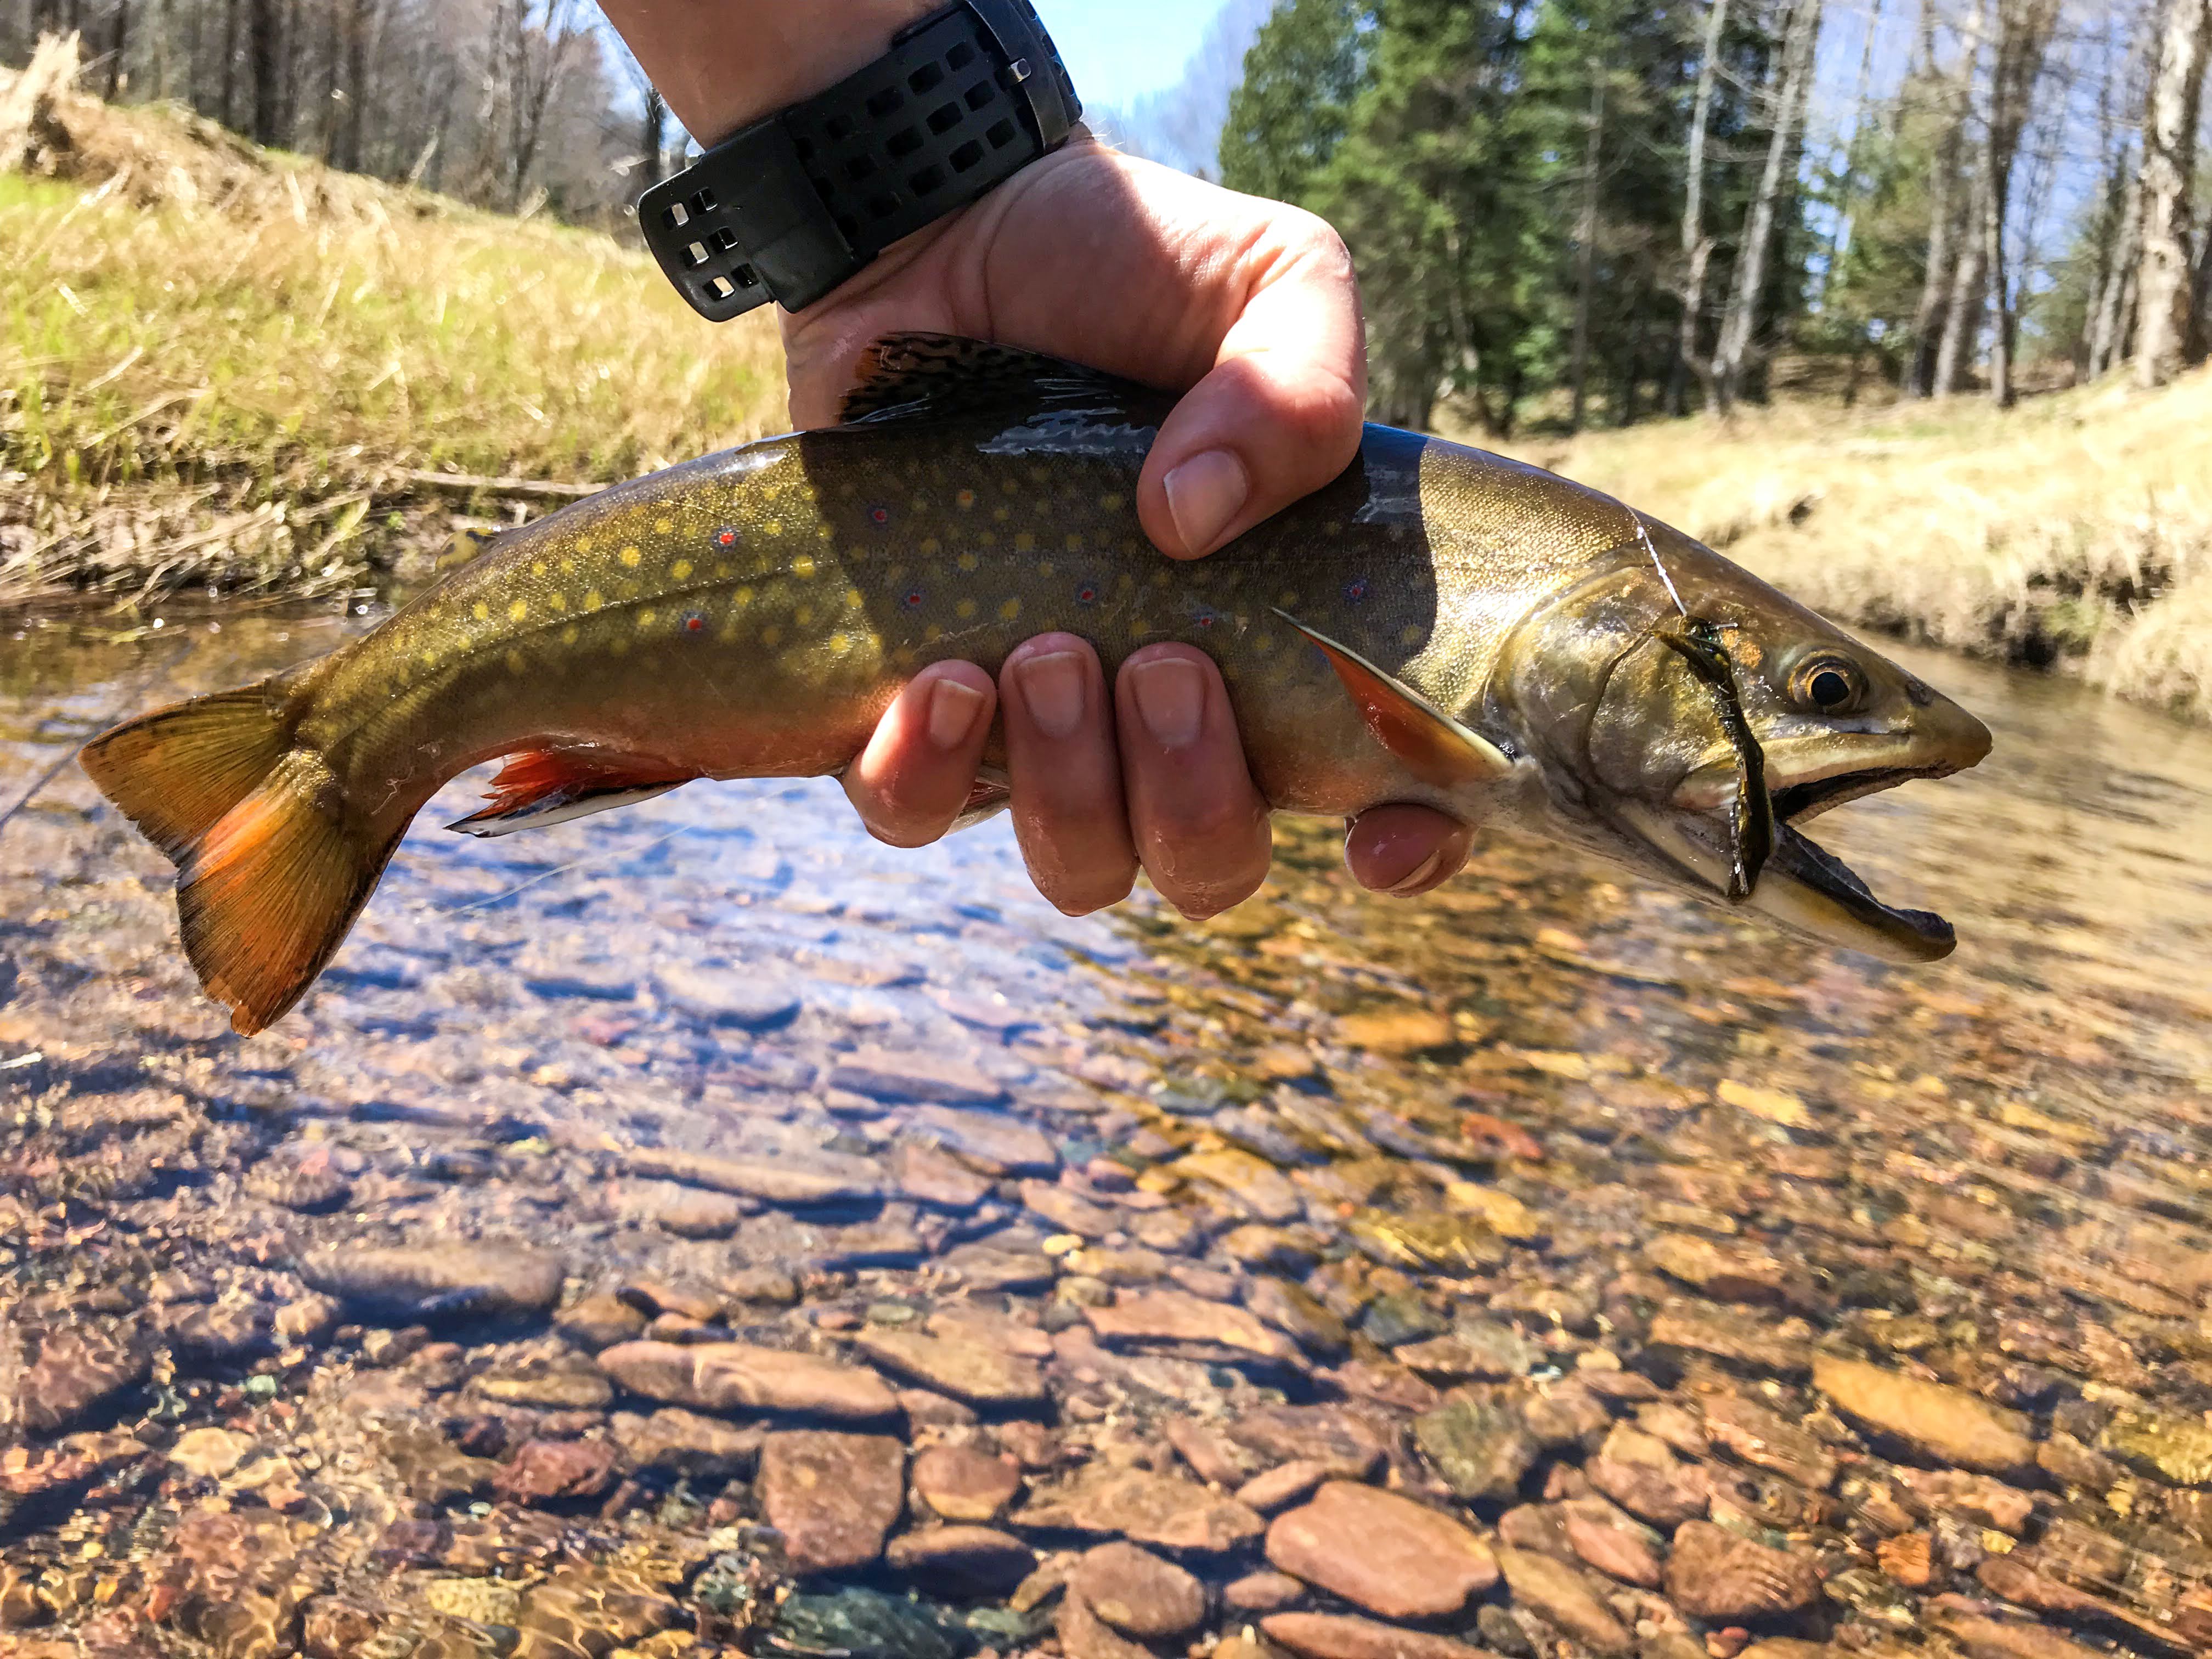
{"x": 272, "y": 866}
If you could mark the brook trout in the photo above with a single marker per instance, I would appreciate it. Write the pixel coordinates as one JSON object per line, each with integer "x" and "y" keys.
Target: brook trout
{"x": 1437, "y": 625}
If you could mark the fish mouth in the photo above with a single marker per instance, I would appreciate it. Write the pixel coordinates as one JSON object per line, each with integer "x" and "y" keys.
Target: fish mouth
{"x": 1802, "y": 885}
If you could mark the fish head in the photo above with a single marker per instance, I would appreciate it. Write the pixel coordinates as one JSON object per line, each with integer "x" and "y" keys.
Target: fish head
{"x": 1650, "y": 761}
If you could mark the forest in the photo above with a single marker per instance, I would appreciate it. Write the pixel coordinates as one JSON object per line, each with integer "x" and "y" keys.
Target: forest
{"x": 1593, "y": 210}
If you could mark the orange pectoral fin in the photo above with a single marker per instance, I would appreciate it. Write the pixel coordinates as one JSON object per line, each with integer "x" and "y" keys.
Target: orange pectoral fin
{"x": 540, "y": 788}
{"x": 1428, "y": 742}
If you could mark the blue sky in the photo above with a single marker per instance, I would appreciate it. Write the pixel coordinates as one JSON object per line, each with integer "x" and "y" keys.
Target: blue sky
{"x": 1117, "y": 50}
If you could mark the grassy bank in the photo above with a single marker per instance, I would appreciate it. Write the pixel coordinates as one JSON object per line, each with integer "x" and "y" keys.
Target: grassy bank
{"x": 218, "y": 364}
{"x": 2075, "y": 531}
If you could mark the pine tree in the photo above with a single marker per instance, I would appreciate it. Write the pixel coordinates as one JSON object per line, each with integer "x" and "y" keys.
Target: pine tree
{"x": 1288, "y": 116}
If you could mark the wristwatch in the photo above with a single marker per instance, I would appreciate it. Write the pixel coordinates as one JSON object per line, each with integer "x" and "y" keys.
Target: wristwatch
{"x": 793, "y": 205}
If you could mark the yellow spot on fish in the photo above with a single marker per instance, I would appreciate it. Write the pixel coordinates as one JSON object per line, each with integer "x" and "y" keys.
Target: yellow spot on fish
{"x": 904, "y": 657}
{"x": 721, "y": 573}
{"x": 741, "y": 599}
{"x": 1288, "y": 597}
{"x": 585, "y": 543}
{"x": 1109, "y": 501}
{"x": 594, "y": 599}
{"x": 559, "y": 602}
{"x": 518, "y": 611}
{"x": 966, "y": 498}
{"x": 729, "y": 632}
{"x": 931, "y": 633}
{"x": 1410, "y": 634}
{"x": 517, "y": 663}
{"x": 1159, "y": 579}
{"x": 773, "y": 527}
{"x": 853, "y": 596}
{"x": 618, "y": 646}
{"x": 966, "y": 560}
{"x": 630, "y": 556}
{"x": 482, "y": 612}
{"x": 1010, "y": 487}
{"x": 1010, "y": 609}
{"x": 429, "y": 660}
{"x": 537, "y": 567}
{"x": 567, "y": 566}
{"x": 804, "y": 615}
{"x": 646, "y": 617}
{"x": 1074, "y": 543}
{"x": 985, "y": 538}
{"x": 681, "y": 570}
{"x": 1024, "y": 543}
{"x": 1045, "y": 567}
{"x": 839, "y": 644}
{"x": 771, "y": 635}
{"x": 930, "y": 548}
{"x": 964, "y": 609}
{"x": 1263, "y": 642}
{"x": 1001, "y": 514}
{"x": 568, "y": 634}
{"x": 803, "y": 566}
{"x": 662, "y": 527}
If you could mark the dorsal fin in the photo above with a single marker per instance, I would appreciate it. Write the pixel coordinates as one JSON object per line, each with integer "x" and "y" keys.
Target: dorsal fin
{"x": 903, "y": 376}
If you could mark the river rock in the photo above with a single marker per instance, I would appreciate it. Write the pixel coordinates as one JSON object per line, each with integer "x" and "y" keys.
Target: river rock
{"x": 974, "y": 1558}
{"x": 1382, "y": 1552}
{"x": 987, "y": 1267}
{"x": 1165, "y": 1315}
{"x": 687, "y": 1212}
{"x": 990, "y": 1141}
{"x": 1395, "y": 1030}
{"x": 1602, "y": 1535}
{"x": 1935, "y": 1419}
{"x": 1991, "y": 1639}
{"x": 2171, "y": 1446}
{"x": 1638, "y": 1472}
{"x": 549, "y": 1471}
{"x": 725, "y": 996}
{"x": 935, "y": 1178}
{"x": 1714, "y": 1574}
{"x": 1480, "y": 1446}
{"x": 1294, "y": 1310}
{"x": 1476, "y": 1349}
{"x": 1347, "y": 1445}
{"x": 964, "y": 1483}
{"x": 1084, "y": 1635}
{"x": 780, "y": 1176}
{"x": 600, "y": 1322}
{"x": 448, "y": 1281}
{"x": 1285, "y": 1484}
{"x": 1252, "y": 1184}
{"x": 1742, "y": 1339}
{"x": 1262, "y": 1592}
{"x": 210, "y": 1452}
{"x": 1559, "y": 1594}
{"x": 1340, "y": 1636}
{"x": 1137, "y": 1592}
{"x": 832, "y": 1496}
{"x": 687, "y": 1443}
{"x": 1151, "y": 1509}
{"x": 916, "y": 1074}
{"x": 959, "y": 1365}
{"x": 722, "y": 1376}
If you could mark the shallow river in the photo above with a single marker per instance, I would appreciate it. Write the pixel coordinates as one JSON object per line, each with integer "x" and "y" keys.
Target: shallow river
{"x": 699, "y": 1229}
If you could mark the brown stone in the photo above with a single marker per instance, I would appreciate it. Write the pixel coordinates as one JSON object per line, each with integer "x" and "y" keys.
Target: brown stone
{"x": 1285, "y": 1484}
{"x": 1211, "y": 1457}
{"x": 1084, "y": 1635}
{"x": 1381, "y": 1552}
{"x": 1342, "y": 1442}
{"x": 961, "y": 1483}
{"x": 1639, "y": 1472}
{"x": 1262, "y": 1592}
{"x": 1609, "y": 1541}
{"x": 1944, "y": 1422}
{"x": 960, "y": 1365}
{"x": 930, "y": 1177}
{"x": 1338, "y": 1635}
{"x": 1395, "y": 1030}
{"x": 1991, "y": 1639}
{"x": 1714, "y": 1574}
{"x": 810, "y": 1176}
{"x": 719, "y": 1376}
{"x": 1165, "y": 1315}
{"x": 600, "y": 1322}
{"x": 704, "y": 1448}
{"x": 833, "y": 1497}
{"x": 975, "y": 1558}
{"x": 1151, "y": 1509}
{"x": 549, "y": 1471}
{"x": 1560, "y": 1594}
{"x": 1138, "y": 1593}
{"x": 1909, "y": 1559}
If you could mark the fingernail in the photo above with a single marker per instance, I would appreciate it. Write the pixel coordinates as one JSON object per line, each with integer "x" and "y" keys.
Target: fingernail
{"x": 1204, "y": 494}
{"x": 1052, "y": 688}
{"x": 1170, "y": 695}
{"x": 1412, "y": 884}
{"x": 953, "y": 706}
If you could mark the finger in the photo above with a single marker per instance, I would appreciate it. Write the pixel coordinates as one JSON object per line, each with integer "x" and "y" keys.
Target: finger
{"x": 913, "y": 778}
{"x": 1069, "y": 816}
{"x": 1403, "y": 850}
{"x": 1199, "y": 824}
{"x": 1279, "y": 415}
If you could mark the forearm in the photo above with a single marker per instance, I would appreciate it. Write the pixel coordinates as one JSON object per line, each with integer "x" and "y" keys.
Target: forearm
{"x": 724, "y": 64}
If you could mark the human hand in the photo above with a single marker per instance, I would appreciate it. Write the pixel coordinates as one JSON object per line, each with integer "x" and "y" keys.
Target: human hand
{"x": 1252, "y": 306}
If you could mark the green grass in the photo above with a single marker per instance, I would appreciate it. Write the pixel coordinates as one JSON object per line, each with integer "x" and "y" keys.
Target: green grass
{"x": 208, "y": 333}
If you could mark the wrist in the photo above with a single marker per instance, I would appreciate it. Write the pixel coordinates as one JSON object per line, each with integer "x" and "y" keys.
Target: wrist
{"x": 722, "y": 67}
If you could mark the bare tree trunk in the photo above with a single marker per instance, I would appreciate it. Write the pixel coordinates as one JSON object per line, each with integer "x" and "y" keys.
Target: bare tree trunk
{"x": 1962, "y": 319}
{"x": 2024, "y": 29}
{"x": 355, "y": 85}
{"x": 2164, "y": 291}
{"x": 653, "y": 137}
{"x": 228, "y": 108}
{"x": 1586, "y": 247}
{"x": 1929, "y": 319}
{"x": 1734, "y": 352}
{"x": 1697, "y": 246}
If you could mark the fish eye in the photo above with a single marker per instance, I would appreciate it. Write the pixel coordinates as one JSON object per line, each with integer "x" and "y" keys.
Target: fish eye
{"x": 1828, "y": 685}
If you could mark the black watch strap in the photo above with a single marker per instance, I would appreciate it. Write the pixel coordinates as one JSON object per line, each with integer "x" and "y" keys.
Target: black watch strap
{"x": 793, "y": 205}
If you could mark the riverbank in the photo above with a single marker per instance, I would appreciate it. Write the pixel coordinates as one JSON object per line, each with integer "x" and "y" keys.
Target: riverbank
{"x": 2073, "y": 532}
{"x": 233, "y": 369}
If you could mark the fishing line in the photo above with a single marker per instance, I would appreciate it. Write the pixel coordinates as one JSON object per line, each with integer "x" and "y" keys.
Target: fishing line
{"x": 138, "y": 688}
{"x": 613, "y": 857}
{"x": 1658, "y": 565}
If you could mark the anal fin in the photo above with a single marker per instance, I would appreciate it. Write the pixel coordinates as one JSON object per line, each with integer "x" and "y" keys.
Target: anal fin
{"x": 540, "y": 788}
{"x": 1427, "y": 742}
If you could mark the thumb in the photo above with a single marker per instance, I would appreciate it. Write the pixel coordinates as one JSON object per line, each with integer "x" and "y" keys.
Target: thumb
{"x": 1278, "y": 415}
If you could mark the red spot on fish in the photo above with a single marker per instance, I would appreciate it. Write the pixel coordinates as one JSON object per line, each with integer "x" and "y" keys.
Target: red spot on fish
{"x": 726, "y": 539}
{"x": 1087, "y": 594}
{"x": 881, "y": 516}
{"x": 1356, "y": 590}
{"x": 911, "y": 598}
{"x": 693, "y": 624}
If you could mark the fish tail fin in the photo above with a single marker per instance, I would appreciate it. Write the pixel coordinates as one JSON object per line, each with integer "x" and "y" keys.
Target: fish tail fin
{"x": 273, "y": 864}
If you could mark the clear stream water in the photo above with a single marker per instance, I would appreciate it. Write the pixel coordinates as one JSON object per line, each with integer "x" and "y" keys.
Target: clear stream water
{"x": 1549, "y": 1173}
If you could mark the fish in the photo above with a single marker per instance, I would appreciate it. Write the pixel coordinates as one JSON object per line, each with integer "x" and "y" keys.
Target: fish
{"x": 1437, "y": 625}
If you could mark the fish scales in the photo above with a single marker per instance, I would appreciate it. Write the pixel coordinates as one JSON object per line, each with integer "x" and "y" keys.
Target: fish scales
{"x": 1436, "y": 625}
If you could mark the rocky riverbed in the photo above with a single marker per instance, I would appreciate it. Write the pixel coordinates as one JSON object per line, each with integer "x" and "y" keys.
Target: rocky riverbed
{"x": 702, "y": 1231}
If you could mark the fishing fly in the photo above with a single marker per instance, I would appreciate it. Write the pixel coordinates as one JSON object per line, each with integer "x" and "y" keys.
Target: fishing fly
{"x": 1703, "y": 644}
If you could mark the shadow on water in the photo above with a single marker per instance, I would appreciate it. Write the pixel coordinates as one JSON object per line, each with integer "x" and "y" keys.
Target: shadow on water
{"x": 648, "y": 1215}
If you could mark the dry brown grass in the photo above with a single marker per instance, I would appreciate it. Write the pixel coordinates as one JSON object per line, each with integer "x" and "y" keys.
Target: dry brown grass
{"x": 217, "y": 363}
{"x": 2074, "y": 530}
